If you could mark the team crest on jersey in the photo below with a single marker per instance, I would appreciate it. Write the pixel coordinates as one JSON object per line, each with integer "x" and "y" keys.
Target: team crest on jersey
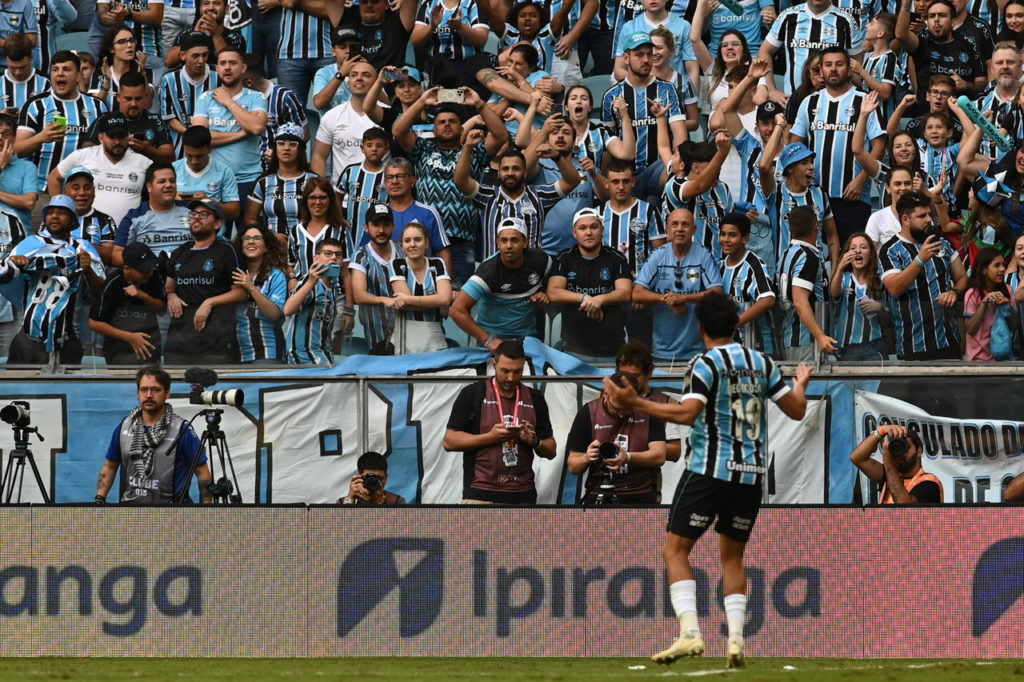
{"x": 605, "y": 274}
{"x": 211, "y": 186}
{"x": 133, "y": 176}
{"x": 851, "y": 112}
{"x": 14, "y": 19}
{"x": 692, "y": 274}
{"x": 529, "y": 210}
{"x": 534, "y": 278}
{"x": 5, "y": 234}
{"x": 637, "y": 225}
{"x": 208, "y": 265}
{"x": 963, "y": 57}
{"x": 828, "y": 32}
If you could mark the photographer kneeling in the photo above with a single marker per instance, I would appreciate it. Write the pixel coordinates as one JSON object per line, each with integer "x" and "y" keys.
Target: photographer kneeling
{"x": 900, "y": 474}
{"x": 367, "y": 486}
{"x": 636, "y": 439}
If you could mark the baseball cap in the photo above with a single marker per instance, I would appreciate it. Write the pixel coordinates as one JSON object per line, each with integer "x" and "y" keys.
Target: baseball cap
{"x": 586, "y": 213}
{"x": 209, "y": 204}
{"x": 378, "y": 212}
{"x": 112, "y": 124}
{"x": 635, "y": 40}
{"x": 77, "y": 170}
{"x": 288, "y": 131}
{"x": 139, "y": 256}
{"x": 412, "y": 72}
{"x": 342, "y": 34}
{"x": 516, "y": 224}
{"x": 768, "y": 110}
{"x": 794, "y": 152}
{"x": 61, "y": 201}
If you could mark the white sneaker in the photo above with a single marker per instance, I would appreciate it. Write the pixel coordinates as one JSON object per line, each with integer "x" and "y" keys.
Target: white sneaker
{"x": 736, "y": 655}
{"x": 682, "y": 648}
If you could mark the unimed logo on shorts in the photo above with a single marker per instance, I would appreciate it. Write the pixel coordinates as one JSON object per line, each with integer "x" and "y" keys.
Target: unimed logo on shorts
{"x": 998, "y": 583}
{"x": 415, "y": 566}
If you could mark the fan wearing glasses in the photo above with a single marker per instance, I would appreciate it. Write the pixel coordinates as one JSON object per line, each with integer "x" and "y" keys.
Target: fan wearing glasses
{"x": 676, "y": 276}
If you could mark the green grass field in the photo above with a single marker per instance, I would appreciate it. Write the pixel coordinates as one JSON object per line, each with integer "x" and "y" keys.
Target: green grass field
{"x": 554, "y": 669}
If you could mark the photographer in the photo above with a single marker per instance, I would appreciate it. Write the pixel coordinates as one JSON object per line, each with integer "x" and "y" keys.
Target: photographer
{"x": 142, "y": 442}
{"x": 900, "y": 474}
{"x": 367, "y": 486}
{"x": 635, "y": 440}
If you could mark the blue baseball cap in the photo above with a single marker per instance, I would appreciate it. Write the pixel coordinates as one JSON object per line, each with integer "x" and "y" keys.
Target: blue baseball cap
{"x": 412, "y": 72}
{"x": 77, "y": 170}
{"x": 637, "y": 39}
{"x": 61, "y": 201}
{"x": 794, "y": 152}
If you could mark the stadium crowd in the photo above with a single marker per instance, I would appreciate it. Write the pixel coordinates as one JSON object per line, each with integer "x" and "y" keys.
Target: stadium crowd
{"x": 231, "y": 182}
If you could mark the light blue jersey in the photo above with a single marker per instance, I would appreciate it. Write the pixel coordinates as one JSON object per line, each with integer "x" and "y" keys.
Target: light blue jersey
{"x": 259, "y": 337}
{"x": 680, "y": 29}
{"x": 243, "y": 155}
{"x": 217, "y": 180}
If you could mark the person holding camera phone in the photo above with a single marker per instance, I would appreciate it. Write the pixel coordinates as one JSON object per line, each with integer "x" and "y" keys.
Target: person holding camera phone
{"x": 367, "y": 487}
{"x": 637, "y": 447}
{"x": 925, "y": 279}
{"x": 902, "y": 478}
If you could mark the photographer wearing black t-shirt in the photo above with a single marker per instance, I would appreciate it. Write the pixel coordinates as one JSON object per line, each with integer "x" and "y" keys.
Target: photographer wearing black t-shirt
{"x": 367, "y": 486}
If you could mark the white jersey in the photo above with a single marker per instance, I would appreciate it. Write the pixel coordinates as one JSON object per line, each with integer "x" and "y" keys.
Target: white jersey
{"x": 342, "y": 128}
{"x": 883, "y": 225}
{"x": 118, "y": 185}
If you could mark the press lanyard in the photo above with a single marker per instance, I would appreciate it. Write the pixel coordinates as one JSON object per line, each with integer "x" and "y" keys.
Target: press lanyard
{"x": 515, "y": 408}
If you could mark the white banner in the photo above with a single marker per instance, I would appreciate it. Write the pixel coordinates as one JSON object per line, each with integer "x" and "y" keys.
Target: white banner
{"x": 972, "y": 457}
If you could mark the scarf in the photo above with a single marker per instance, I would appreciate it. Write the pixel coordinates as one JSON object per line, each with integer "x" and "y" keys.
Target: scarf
{"x": 144, "y": 444}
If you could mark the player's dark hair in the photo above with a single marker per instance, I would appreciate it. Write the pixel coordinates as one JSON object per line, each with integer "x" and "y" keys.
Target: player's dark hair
{"x": 329, "y": 241}
{"x": 133, "y": 79}
{"x": 513, "y": 14}
{"x": 947, "y": 3}
{"x": 739, "y": 220}
{"x": 911, "y": 201}
{"x": 511, "y": 349}
{"x": 620, "y": 166}
{"x": 637, "y": 354}
{"x": 18, "y": 47}
{"x": 802, "y": 222}
{"x": 374, "y": 133}
{"x": 197, "y": 137}
{"x": 162, "y": 377}
{"x": 275, "y": 254}
{"x": 334, "y": 215}
{"x": 978, "y": 279}
{"x": 158, "y": 166}
{"x": 372, "y": 460}
{"x": 62, "y": 56}
{"x": 718, "y": 315}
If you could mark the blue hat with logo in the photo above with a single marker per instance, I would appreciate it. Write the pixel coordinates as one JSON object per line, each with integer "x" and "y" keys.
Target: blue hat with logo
{"x": 61, "y": 201}
{"x": 412, "y": 72}
{"x": 635, "y": 40}
{"x": 77, "y": 170}
{"x": 794, "y": 152}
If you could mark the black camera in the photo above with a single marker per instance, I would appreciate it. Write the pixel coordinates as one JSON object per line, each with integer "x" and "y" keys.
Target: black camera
{"x": 18, "y": 414}
{"x": 898, "y": 447}
{"x": 372, "y": 482}
{"x": 608, "y": 450}
{"x": 199, "y": 379}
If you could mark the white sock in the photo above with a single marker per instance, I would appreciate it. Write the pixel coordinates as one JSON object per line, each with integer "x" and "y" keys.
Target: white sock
{"x": 736, "y": 615}
{"x": 684, "y": 601}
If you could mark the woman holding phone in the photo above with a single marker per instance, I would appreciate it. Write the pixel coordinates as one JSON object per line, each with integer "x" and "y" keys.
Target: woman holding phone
{"x": 260, "y": 319}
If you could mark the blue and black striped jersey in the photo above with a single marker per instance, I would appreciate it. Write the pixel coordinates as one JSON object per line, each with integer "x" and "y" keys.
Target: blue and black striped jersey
{"x": 631, "y": 232}
{"x": 746, "y": 283}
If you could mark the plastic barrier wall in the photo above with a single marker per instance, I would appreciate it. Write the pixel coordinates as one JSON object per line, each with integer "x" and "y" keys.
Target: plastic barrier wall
{"x": 449, "y": 581}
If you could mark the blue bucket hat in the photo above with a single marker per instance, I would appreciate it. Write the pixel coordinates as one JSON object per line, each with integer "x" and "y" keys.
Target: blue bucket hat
{"x": 61, "y": 201}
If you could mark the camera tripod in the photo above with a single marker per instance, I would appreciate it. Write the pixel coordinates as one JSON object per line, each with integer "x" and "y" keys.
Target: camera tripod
{"x": 14, "y": 474}
{"x": 225, "y": 490}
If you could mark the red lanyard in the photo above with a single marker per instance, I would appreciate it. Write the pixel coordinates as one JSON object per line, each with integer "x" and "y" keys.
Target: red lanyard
{"x": 515, "y": 407}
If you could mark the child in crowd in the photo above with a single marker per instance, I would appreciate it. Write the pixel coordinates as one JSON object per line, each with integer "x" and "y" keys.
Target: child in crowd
{"x": 982, "y": 302}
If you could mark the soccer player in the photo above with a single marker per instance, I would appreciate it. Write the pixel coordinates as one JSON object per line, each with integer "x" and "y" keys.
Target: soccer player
{"x": 724, "y": 401}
